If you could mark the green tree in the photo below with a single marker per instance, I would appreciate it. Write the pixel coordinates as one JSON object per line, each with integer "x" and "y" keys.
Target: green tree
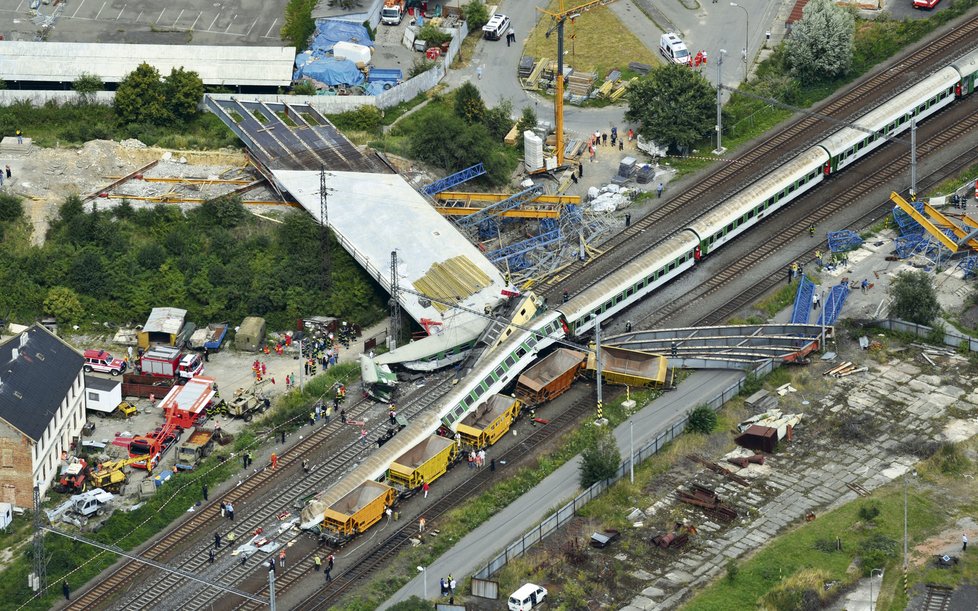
{"x": 183, "y": 91}
{"x": 299, "y": 24}
{"x": 476, "y": 14}
{"x": 304, "y": 88}
{"x": 11, "y": 208}
{"x": 601, "y": 459}
{"x": 914, "y": 298}
{"x": 674, "y": 105}
{"x": 87, "y": 85}
{"x": 498, "y": 120}
{"x": 469, "y": 104}
{"x": 433, "y": 35}
{"x": 528, "y": 120}
{"x": 63, "y": 303}
{"x": 820, "y": 46}
{"x": 225, "y": 211}
{"x": 140, "y": 97}
{"x": 702, "y": 420}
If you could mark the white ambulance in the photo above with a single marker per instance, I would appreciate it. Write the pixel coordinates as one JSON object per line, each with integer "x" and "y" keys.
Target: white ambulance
{"x": 673, "y": 48}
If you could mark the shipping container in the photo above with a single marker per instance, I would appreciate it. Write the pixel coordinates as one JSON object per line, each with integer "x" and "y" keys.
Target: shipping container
{"x": 425, "y": 462}
{"x": 359, "y": 510}
{"x": 488, "y": 422}
{"x": 630, "y": 367}
{"x": 550, "y": 377}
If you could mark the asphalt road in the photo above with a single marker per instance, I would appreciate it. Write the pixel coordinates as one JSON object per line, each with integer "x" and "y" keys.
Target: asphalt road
{"x": 476, "y": 548}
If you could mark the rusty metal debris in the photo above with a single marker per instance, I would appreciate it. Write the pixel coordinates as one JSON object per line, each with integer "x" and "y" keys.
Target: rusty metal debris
{"x": 857, "y": 489}
{"x": 709, "y": 501}
{"x": 743, "y": 461}
{"x": 670, "y": 540}
{"x": 712, "y": 466}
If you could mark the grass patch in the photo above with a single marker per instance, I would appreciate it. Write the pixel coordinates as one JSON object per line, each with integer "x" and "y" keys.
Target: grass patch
{"x": 78, "y": 563}
{"x": 795, "y": 562}
{"x": 394, "y": 113}
{"x": 782, "y": 298}
{"x": 599, "y": 42}
{"x": 73, "y": 124}
{"x": 286, "y": 119}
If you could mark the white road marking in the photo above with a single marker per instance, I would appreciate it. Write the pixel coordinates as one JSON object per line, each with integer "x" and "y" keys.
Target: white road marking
{"x": 252, "y": 27}
{"x": 230, "y": 24}
{"x": 120, "y": 12}
{"x": 195, "y": 20}
{"x": 76, "y": 10}
{"x": 138, "y": 16}
{"x": 17, "y": 10}
{"x": 178, "y": 18}
{"x": 100, "y": 11}
{"x": 270, "y": 28}
{"x": 215, "y": 20}
{"x": 161, "y": 16}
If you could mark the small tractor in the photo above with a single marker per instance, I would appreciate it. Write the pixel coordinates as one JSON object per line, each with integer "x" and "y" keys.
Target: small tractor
{"x": 73, "y": 478}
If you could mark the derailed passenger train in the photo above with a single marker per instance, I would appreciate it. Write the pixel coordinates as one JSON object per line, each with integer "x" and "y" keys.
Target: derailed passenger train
{"x": 638, "y": 278}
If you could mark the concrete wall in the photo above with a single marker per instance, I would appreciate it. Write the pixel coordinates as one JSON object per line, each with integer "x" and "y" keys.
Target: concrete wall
{"x": 40, "y": 96}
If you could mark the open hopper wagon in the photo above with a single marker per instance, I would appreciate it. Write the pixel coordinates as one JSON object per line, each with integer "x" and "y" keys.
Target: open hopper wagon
{"x": 549, "y": 378}
{"x": 630, "y": 367}
{"x": 359, "y": 510}
{"x": 425, "y": 462}
{"x": 489, "y": 421}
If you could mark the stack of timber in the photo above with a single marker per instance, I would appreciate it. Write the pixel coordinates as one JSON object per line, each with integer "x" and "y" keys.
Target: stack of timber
{"x": 845, "y": 369}
{"x": 581, "y": 83}
{"x": 532, "y": 82}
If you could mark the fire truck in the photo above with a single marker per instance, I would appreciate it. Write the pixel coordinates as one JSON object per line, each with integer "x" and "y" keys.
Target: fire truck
{"x": 169, "y": 362}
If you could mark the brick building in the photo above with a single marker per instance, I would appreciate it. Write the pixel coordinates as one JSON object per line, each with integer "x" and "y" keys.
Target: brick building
{"x": 41, "y": 411}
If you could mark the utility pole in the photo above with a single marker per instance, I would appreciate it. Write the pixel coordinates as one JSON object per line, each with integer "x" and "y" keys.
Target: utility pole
{"x": 324, "y": 229}
{"x": 38, "y": 579}
{"x": 720, "y": 150}
{"x": 631, "y": 449}
{"x": 597, "y": 361}
{"x": 271, "y": 590}
{"x": 395, "y": 305}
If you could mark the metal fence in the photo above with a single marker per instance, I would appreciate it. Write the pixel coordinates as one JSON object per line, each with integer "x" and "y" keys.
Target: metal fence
{"x": 952, "y": 337}
{"x": 552, "y": 523}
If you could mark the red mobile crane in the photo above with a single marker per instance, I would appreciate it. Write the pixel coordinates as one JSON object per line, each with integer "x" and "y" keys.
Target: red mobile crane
{"x": 183, "y": 407}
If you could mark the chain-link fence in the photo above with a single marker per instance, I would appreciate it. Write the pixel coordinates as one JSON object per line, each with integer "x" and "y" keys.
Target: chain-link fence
{"x": 565, "y": 513}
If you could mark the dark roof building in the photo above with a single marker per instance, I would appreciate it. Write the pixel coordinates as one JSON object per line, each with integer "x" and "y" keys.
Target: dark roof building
{"x": 41, "y": 411}
{"x": 36, "y": 371}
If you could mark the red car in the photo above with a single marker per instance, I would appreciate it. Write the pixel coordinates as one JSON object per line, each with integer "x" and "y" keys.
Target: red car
{"x": 927, "y": 4}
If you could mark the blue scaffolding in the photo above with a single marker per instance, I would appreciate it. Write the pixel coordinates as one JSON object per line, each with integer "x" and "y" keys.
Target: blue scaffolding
{"x": 844, "y": 240}
{"x": 510, "y": 203}
{"x": 802, "y": 309}
{"x": 969, "y": 265}
{"x": 454, "y": 179}
{"x": 520, "y": 248}
{"x": 833, "y": 304}
{"x": 905, "y": 222}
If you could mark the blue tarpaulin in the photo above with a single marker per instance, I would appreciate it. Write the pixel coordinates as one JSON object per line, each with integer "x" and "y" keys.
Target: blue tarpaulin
{"x": 330, "y": 31}
{"x": 330, "y": 71}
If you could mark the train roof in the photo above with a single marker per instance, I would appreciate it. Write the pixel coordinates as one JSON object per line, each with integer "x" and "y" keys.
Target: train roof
{"x": 627, "y": 275}
{"x": 966, "y": 64}
{"x": 886, "y": 112}
{"x": 748, "y": 199}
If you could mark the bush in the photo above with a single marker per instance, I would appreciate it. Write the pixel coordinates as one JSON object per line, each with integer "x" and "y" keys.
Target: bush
{"x": 304, "y": 88}
{"x": 420, "y": 66}
{"x": 476, "y": 15}
{"x": 299, "y": 24}
{"x": 703, "y": 420}
{"x": 601, "y": 459}
{"x": 876, "y": 551}
{"x": 732, "y": 570}
{"x": 363, "y": 119}
{"x": 914, "y": 298}
{"x": 950, "y": 459}
{"x": 868, "y": 512}
{"x": 433, "y": 35}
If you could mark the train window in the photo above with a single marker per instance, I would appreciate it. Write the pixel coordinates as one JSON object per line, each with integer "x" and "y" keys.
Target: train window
{"x": 791, "y": 189}
{"x": 630, "y": 292}
{"x": 672, "y": 266}
{"x": 458, "y": 412}
{"x": 750, "y": 214}
{"x": 510, "y": 361}
{"x": 499, "y": 372}
{"x": 618, "y": 298}
{"x": 533, "y": 341}
{"x": 480, "y": 390}
{"x": 729, "y": 227}
{"x": 770, "y": 201}
{"x": 520, "y": 352}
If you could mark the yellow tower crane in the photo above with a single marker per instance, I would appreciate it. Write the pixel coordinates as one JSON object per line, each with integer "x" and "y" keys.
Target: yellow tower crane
{"x": 559, "y": 17}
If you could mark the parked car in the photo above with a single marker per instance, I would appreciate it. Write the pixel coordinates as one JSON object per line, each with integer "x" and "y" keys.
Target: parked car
{"x": 103, "y": 362}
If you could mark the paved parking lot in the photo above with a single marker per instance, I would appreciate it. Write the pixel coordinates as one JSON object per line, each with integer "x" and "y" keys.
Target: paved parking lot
{"x": 223, "y": 22}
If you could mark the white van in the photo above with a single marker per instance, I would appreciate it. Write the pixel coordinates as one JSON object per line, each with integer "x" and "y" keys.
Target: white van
{"x": 673, "y": 48}
{"x": 496, "y": 28}
{"x": 527, "y": 597}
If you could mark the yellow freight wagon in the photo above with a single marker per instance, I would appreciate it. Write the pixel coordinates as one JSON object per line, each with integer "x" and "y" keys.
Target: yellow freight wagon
{"x": 488, "y": 422}
{"x": 425, "y": 462}
{"x": 630, "y": 367}
{"x": 359, "y": 510}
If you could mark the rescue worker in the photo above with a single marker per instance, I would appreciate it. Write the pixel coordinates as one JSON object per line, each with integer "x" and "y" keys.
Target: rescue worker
{"x": 811, "y": 230}
{"x": 317, "y": 562}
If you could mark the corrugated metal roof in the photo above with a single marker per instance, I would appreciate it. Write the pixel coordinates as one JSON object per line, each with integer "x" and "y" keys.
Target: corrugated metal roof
{"x": 165, "y": 320}
{"x": 216, "y": 65}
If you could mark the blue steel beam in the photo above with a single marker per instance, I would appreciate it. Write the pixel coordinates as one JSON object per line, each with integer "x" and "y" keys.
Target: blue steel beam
{"x": 511, "y": 202}
{"x": 454, "y": 179}
{"x": 833, "y": 304}
{"x": 803, "y": 302}
{"x": 525, "y": 246}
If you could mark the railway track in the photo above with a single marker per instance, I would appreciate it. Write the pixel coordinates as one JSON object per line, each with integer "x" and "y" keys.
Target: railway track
{"x": 937, "y": 598}
{"x": 677, "y": 212}
{"x": 186, "y": 545}
{"x": 963, "y": 122}
{"x": 379, "y": 556}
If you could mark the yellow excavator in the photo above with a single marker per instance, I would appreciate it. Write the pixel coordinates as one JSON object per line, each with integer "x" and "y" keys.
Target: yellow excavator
{"x": 110, "y": 475}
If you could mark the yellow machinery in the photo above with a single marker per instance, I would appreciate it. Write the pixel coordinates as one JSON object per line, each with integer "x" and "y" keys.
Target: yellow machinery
{"x": 111, "y": 475}
{"x": 559, "y": 18}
